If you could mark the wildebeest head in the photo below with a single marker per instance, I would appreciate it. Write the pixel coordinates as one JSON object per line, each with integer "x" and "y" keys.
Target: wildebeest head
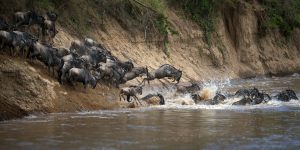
{"x": 178, "y": 75}
{"x": 97, "y": 74}
{"x": 53, "y": 32}
{"x": 51, "y": 15}
{"x": 100, "y": 57}
{"x": 90, "y": 42}
{"x": 127, "y": 66}
{"x": 291, "y": 94}
{"x": 78, "y": 63}
{"x": 40, "y": 20}
{"x": 139, "y": 89}
{"x": 162, "y": 100}
{"x": 242, "y": 92}
{"x": 34, "y": 18}
{"x": 94, "y": 83}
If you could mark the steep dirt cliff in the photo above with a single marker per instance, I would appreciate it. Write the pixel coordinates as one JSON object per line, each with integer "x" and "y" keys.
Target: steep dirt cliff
{"x": 236, "y": 51}
{"x": 27, "y": 87}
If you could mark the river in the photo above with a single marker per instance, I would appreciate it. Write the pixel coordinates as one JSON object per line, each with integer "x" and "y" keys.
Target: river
{"x": 275, "y": 125}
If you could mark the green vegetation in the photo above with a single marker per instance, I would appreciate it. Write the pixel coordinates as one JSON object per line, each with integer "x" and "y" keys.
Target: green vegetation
{"x": 280, "y": 14}
{"x": 78, "y": 16}
{"x": 153, "y": 13}
{"x": 203, "y": 12}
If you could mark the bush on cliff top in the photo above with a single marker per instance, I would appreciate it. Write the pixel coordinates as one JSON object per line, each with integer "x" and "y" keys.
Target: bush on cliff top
{"x": 280, "y": 14}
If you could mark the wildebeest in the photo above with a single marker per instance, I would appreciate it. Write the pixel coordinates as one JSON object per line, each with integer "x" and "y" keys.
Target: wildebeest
{"x": 51, "y": 16}
{"x": 113, "y": 72}
{"x": 3, "y": 24}
{"x": 126, "y": 65}
{"x": 45, "y": 54}
{"x": 27, "y": 40}
{"x": 93, "y": 59}
{"x": 163, "y": 71}
{"x": 131, "y": 91}
{"x": 82, "y": 75}
{"x": 244, "y": 101}
{"x": 27, "y": 18}
{"x": 67, "y": 62}
{"x": 194, "y": 87}
{"x": 286, "y": 95}
{"x": 49, "y": 29}
{"x": 61, "y": 52}
{"x": 79, "y": 47}
{"x": 12, "y": 41}
{"x": 251, "y": 96}
{"x": 135, "y": 72}
{"x": 154, "y": 99}
{"x": 84, "y": 48}
{"x": 90, "y": 42}
{"x": 6, "y": 39}
{"x": 218, "y": 98}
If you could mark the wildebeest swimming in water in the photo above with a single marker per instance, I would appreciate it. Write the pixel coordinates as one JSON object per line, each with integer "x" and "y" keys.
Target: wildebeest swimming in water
{"x": 194, "y": 87}
{"x": 163, "y": 71}
{"x": 248, "y": 97}
{"x": 154, "y": 99}
{"x": 251, "y": 96}
{"x": 218, "y": 98}
{"x": 286, "y": 95}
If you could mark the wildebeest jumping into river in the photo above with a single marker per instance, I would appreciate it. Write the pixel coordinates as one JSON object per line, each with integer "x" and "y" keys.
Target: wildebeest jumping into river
{"x": 163, "y": 71}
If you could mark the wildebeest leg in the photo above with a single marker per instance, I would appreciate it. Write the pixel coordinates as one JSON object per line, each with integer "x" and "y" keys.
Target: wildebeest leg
{"x": 84, "y": 84}
{"x": 62, "y": 77}
{"x": 128, "y": 98}
{"x": 146, "y": 79}
{"x": 19, "y": 23}
{"x": 12, "y": 51}
{"x": 71, "y": 81}
{"x": 49, "y": 68}
{"x": 53, "y": 73}
{"x": 2, "y": 44}
{"x": 136, "y": 99}
{"x": 121, "y": 96}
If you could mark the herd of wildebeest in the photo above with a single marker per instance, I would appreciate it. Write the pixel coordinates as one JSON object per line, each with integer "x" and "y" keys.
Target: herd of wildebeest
{"x": 89, "y": 62}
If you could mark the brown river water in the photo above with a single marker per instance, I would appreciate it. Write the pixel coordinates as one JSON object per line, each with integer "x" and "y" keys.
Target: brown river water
{"x": 275, "y": 125}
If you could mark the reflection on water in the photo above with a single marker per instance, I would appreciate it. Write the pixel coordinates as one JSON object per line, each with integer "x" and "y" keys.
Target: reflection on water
{"x": 267, "y": 126}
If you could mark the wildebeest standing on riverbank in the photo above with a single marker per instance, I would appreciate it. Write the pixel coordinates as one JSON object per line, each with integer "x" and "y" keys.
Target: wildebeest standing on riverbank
{"x": 82, "y": 75}
{"x": 27, "y": 18}
{"x": 45, "y": 54}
